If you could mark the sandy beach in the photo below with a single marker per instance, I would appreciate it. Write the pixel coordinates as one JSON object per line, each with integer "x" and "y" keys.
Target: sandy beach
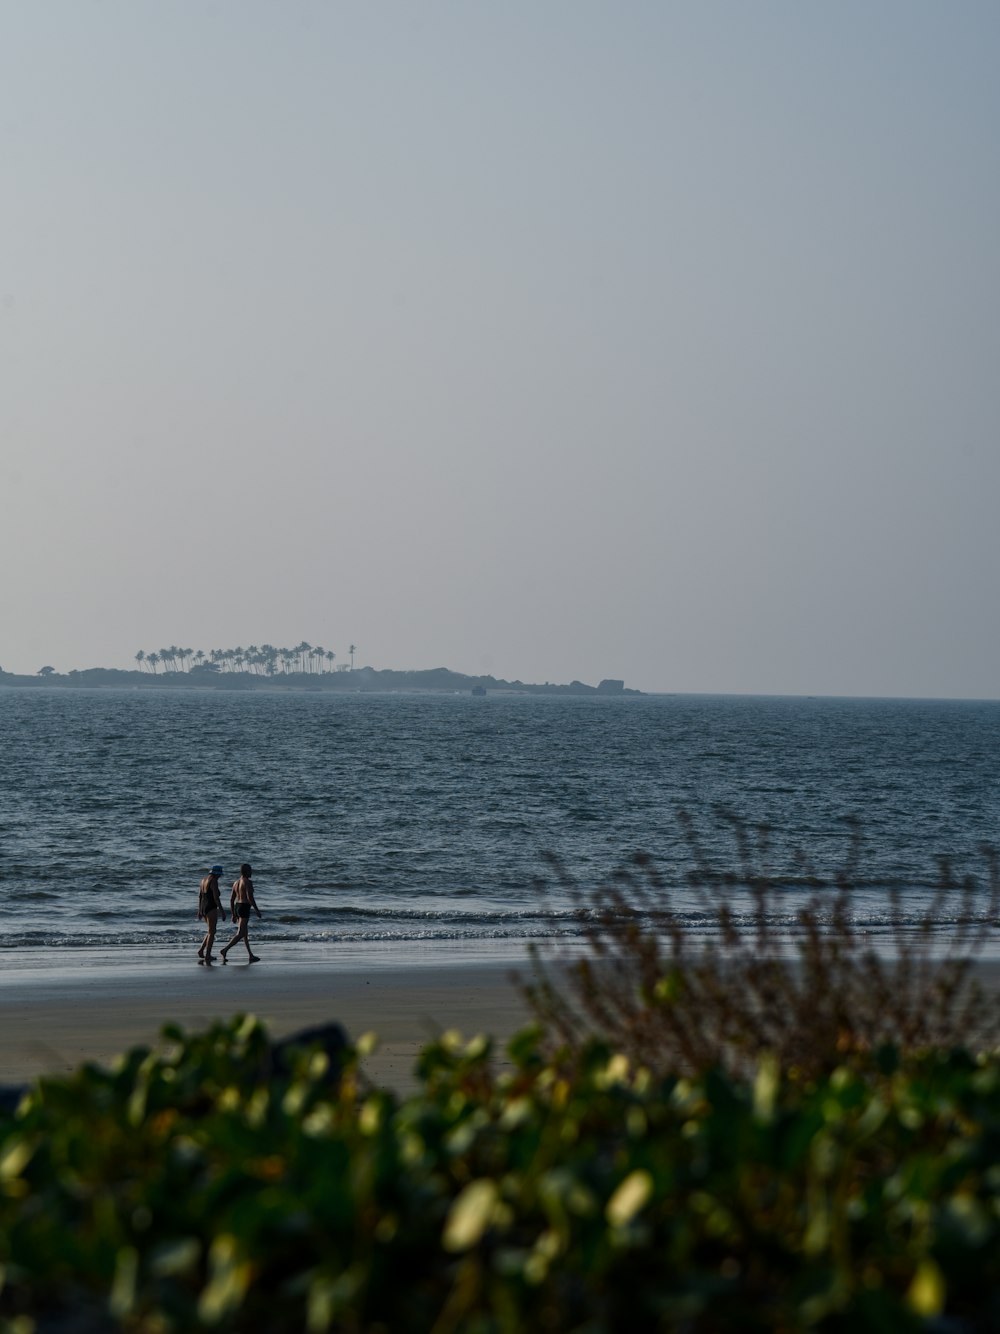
{"x": 59, "y": 1010}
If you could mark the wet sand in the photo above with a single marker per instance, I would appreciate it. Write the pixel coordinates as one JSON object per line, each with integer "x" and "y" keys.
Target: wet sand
{"x": 57, "y": 1012}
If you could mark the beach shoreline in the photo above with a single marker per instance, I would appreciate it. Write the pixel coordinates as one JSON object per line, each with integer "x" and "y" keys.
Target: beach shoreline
{"x": 60, "y": 1009}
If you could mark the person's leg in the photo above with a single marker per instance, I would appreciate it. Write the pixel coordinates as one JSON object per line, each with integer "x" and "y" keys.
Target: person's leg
{"x": 240, "y": 931}
{"x": 241, "y": 934}
{"x": 245, "y": 932}
{"x": 213, "y": 921}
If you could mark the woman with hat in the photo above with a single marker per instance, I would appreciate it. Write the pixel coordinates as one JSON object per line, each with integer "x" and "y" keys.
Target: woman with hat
{"x": 209, "y": 907}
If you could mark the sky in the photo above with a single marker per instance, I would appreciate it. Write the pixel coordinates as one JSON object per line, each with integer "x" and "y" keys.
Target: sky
{"x": 560, "y": 340}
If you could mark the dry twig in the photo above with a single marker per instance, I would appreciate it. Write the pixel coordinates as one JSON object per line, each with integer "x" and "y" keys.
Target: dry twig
{"x": 675, "y": 999}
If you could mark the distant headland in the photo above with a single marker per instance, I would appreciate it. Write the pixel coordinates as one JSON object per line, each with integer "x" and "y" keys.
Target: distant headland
{"x": 302, "y": 668}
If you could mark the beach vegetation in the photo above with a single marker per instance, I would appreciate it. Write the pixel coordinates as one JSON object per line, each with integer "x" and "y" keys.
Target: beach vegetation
{"x": 744, "y": 976}
{"x": 198, "y": 1186}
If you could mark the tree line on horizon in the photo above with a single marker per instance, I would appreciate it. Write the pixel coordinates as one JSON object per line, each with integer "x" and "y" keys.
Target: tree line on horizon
{"x": 263, "y": 660}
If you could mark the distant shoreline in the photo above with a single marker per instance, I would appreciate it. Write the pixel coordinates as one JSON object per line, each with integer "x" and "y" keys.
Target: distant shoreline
{"x": 361, "y": 680}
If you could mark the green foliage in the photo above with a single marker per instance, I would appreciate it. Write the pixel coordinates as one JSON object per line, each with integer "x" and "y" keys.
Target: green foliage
{"x": 185, "y": 1189}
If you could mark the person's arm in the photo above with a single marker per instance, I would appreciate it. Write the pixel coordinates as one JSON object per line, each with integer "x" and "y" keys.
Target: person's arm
{"x": 218, "y": 901}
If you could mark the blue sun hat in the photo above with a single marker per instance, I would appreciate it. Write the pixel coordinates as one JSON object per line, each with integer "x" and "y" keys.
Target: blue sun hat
{"x": 216, "y": 870}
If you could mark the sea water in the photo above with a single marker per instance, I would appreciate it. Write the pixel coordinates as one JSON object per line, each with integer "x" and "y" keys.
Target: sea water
{"x": 426, "y": 820}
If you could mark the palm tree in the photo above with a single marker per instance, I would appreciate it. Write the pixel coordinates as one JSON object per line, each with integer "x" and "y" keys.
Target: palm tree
{"x": 153, "y": 660}
{"x": 199, "y": 658}
{"x": 352, "y": 650}
{"x": 140, "y": 658}
{"x": 330, "y": 657}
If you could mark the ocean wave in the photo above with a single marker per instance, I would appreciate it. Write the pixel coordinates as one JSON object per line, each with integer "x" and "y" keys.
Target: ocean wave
{"x": 383, "y": 927}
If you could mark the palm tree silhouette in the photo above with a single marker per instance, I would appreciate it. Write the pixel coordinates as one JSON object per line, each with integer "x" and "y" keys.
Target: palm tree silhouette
{"x": 265, "y": 660}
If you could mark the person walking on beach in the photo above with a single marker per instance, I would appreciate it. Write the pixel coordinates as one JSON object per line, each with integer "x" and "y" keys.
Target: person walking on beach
{"x": 209, "y": 907}
{"x": 241, "y": 901}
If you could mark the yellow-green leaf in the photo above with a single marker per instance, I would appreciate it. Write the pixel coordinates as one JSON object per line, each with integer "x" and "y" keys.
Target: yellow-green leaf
{"x": 926, "y": 1293}
{"x": 470, "y": 1215}
{"x": 631, "y": 1195}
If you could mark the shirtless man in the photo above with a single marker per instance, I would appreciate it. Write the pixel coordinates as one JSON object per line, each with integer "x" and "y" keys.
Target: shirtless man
{"x": 241, "y": 901}
{"x": 209, "y": 907}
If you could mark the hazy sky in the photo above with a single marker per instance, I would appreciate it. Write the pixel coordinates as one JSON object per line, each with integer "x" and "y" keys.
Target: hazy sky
{"x": 551, "y": 339}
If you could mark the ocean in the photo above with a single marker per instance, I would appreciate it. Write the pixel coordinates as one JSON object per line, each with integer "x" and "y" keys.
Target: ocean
{"x": 425, "y": 820}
